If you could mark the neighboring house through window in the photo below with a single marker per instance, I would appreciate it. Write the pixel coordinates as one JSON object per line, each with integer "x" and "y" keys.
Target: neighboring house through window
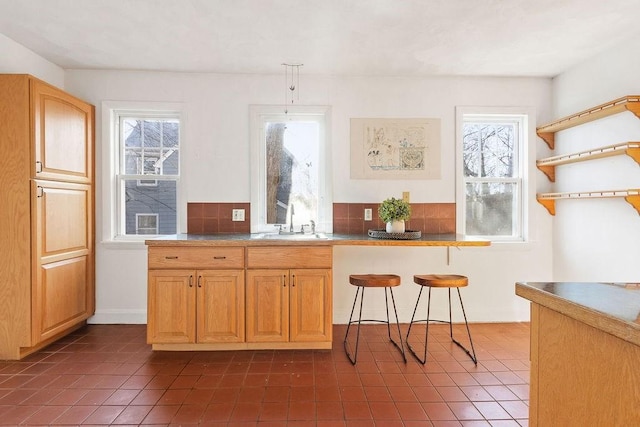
{"x": 146, "y": 170}
{"x": 492, "y": 154}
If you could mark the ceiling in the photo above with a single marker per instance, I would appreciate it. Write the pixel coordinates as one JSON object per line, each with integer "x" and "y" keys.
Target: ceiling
{"x": 341, "y": 37}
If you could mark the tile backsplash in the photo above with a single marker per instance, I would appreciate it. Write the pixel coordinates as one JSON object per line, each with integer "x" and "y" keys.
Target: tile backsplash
{"x": 429, "y": 218}
{"x": 214, "y": 218}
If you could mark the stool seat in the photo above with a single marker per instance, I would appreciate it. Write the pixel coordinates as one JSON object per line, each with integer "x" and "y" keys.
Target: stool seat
{"x": 441, "y": 280}
{"x": 374, "y": 280}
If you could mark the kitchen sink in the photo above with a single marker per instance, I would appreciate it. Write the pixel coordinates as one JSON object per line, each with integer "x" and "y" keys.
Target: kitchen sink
{"x": 295, "y": 236}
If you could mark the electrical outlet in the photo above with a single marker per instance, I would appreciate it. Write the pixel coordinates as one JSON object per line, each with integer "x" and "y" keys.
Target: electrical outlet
{"x": 368, "y": 214}
{"x": 405, "y": 196}
{"x": 237, "y": 215}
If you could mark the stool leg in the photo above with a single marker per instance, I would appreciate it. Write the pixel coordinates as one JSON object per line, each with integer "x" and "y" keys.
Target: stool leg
{"x": 473, "y": 357}
{"x": 401, "y": 346}
{"x": 415, "y": 309}
{"x": 359, "y": 290}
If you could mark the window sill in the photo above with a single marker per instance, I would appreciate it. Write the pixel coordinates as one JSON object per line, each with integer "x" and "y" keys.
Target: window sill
{"x": 130, "y": 244}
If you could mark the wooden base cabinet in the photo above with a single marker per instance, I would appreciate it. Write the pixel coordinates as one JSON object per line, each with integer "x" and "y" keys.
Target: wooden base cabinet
{"x": 289, "y": 305}
{"x": 209, "y": 298}
{"x": 195, "y": 306}
{"x": 46, "y": 214}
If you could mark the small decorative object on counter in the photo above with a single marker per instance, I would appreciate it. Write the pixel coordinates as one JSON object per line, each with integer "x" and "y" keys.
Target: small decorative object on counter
{"x": 407, "y": 235}
{"x": 394, "y": 212}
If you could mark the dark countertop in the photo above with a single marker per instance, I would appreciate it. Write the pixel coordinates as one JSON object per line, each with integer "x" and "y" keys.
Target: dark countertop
{"x": 258, "y": 239}
{"x": 611, "y": 307}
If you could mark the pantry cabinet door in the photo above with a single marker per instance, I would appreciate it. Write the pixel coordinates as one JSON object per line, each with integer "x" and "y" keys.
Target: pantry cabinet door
{"x": 62, "y": 135}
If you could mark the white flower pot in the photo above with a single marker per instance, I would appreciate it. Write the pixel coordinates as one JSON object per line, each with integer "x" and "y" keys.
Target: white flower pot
{"x": 395, "y": 226}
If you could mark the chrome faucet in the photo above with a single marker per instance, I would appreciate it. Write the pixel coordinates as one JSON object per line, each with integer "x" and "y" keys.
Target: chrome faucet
{"x": 291, "y": 218}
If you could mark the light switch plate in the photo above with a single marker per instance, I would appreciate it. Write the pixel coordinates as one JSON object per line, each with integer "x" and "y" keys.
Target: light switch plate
{"x": 406, "y": 197}
{"x": 368, "y": 214}
{"x": 237, "y": 215}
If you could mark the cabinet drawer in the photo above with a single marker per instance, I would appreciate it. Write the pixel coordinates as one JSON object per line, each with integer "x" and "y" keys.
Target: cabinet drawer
{"x": 290, "y": 257}
{"x": 209, "y": 257}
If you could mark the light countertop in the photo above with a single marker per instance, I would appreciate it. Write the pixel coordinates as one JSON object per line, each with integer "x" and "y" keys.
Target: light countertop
{"x": 258, "y": 239}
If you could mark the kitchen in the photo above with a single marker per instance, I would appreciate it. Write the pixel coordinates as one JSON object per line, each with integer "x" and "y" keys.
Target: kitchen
{"x": 587, "y": 240}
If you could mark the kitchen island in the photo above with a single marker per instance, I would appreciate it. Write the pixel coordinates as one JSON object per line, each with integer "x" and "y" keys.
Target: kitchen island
{"x": 251, "y": 291}
{"x": 585, "y": 353}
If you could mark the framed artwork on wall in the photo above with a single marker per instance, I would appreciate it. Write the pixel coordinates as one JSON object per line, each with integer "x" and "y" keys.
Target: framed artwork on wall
{"x": 395, "y": 148}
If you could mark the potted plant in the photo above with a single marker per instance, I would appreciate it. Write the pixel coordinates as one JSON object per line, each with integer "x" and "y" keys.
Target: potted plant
{"x": 394, "y": 212}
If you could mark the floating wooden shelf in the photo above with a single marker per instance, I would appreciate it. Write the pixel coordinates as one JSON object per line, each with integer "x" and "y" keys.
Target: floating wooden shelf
{"x": 548, "y": 165}
{"x": 548, "y": 199}
{"x": 627, "y": 103}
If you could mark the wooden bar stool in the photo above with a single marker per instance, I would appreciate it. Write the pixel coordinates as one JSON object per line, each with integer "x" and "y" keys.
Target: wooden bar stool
{"x": 440, "y": 281}
{"x": 386, "y": 281}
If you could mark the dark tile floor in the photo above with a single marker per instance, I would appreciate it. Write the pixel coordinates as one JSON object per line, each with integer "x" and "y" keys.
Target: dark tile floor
{"x": 108, "y": 375}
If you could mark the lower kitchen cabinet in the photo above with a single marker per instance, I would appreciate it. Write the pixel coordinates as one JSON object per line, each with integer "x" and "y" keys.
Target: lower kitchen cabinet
{"x": 209, "y": 298}
{"x": 289, "y": 296}
{"x": 195, "y": 295}
{"x": 195, "y": 306}
{"x": 289, "y": 305}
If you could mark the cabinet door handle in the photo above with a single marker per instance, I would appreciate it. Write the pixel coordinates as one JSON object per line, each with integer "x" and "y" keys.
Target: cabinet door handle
{"x": 219, "y": 257}
{"x": 38, "y": 166}
{"x": 293, "y": 280}
{"x": 191, "y": 281}
{"x": 199, "y": 281}
{"x": 284, "y": 280}
{"x": 171, "y": 257}
{"x": 39, "y": 192}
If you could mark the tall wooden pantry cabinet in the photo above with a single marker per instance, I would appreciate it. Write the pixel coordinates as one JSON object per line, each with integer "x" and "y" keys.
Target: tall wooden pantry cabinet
{"x": 46, "y": 214}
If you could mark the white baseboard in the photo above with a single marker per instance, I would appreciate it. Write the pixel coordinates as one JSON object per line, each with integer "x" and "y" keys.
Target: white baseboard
{"x": 119, "y": 317}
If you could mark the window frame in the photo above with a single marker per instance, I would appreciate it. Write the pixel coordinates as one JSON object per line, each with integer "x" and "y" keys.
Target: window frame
{"x": 525, "y": 117}
{"x": 258, "y": 116}
{"x": 113, "y": 219}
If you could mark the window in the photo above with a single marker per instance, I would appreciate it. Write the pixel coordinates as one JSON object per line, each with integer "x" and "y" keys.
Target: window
{"x": 491, "y": 192}
{"x": 146, "y": 223}
{"x": 290, "y": 178}
{"x": 146, "y": 170}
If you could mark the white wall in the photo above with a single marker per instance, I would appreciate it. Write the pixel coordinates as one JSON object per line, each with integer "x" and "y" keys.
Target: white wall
{"x": 599, "y": 239}
{"x": 17, "y": 59}
{"x": 216, "y": 156}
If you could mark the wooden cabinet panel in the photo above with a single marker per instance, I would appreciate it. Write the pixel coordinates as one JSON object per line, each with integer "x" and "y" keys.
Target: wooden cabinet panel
{"x": 311, "y": 305}
{"x": 171, "y": 306}
{"x": 220, "y": 306}
{"x": 290, "y": 257}
{"x": 267, "y": 312}
{"x": 203, "y": 258}
{"x": 60, "y": 298}
{"x": 63, "y": 222}
{"x": 62, "y": 131}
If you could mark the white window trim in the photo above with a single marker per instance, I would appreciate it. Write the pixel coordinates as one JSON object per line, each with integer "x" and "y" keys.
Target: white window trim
{"x": 526, "y": 165}
{"x": 259, "y": 114}
{"x": 109, "y": 162}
